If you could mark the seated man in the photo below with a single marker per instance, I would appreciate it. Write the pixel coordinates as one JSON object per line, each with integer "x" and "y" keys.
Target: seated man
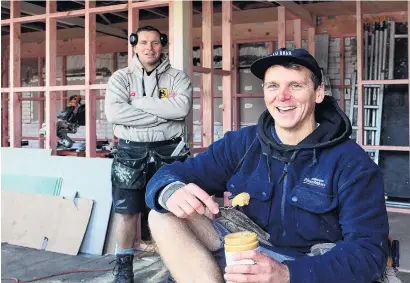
{"x": 68, "y": 121}
{"x": 308, "y": 182}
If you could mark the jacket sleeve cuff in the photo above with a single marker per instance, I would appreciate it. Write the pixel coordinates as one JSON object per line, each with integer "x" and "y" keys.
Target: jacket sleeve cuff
{"x": 167, "y": 192}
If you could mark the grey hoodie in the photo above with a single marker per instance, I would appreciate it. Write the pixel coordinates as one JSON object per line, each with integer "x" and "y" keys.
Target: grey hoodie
{"x": 148, "y": 118}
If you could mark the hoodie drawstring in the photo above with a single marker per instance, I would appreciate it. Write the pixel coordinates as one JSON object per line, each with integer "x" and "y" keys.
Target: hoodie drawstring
{"x": 243, "y": 158}
{"x": 269, "y": 162}
{"x": 157, "y": 83}
{"x": 314, "y": 159}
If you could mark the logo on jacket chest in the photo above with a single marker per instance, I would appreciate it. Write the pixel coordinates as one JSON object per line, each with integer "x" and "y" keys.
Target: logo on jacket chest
{"x": 315, "y": 182}
{"x": 163, "y": 92}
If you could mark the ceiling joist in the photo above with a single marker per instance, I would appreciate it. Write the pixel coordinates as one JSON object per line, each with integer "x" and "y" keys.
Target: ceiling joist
{"x": 299, "y": 11}
{"x": 32, "y": 9}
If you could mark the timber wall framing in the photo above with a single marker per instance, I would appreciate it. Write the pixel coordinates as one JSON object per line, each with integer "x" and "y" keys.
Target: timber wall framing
{"x": 48, "y": 93}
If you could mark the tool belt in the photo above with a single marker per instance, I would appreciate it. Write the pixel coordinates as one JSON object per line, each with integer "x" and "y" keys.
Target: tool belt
{"x": 130, "y": 164}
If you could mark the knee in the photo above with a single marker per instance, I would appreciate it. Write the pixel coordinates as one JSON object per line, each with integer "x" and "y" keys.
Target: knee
{"x": 159, "y": 221}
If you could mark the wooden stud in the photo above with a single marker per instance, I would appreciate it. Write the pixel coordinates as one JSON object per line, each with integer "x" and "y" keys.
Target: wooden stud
{"x": 207, "y": 79}
{"x": 342, "y": 73}
{"x": 281, "y": 27}
{"x": 90, "y": 70}
{"x": 180, "y": 49}
{"x": 133, "y": 23}
{"x": 235, "y": 76}
{"x": 227, "y": 64}
{"x": 171, "y": 19}
{"x": 359, "y": 36}
{"x": 297, "y": 33}
{"x": 40, "y": 103}
{"x": 51, "y": 80}
{"x": 63, "y": 74}
{"x": 114, "y": 67}
{"x": 15, "y": 76}
{"x": 4, "y": 100}
{"x": 311, "y": 41}
{"x": 408, "y": 60}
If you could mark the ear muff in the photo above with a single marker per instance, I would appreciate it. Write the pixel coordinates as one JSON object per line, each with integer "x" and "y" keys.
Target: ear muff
{"x": 134, "y": 39}
{"x": 164, "y": 39}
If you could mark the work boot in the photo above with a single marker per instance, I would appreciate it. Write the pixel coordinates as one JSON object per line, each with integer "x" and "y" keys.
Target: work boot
{"x": 123, "y": 269}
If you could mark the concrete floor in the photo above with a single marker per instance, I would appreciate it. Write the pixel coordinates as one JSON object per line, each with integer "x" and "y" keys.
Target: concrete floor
{"x": 26, "y": 264}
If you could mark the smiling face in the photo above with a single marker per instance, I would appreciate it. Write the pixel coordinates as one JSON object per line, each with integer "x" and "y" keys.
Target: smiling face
{"x": 290, "y": 97}
{"x": 148, "y": 48}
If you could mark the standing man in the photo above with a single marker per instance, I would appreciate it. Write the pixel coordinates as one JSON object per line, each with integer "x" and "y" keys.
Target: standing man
{"x": 147, "y": 103}
{"x": 308, "y": 183}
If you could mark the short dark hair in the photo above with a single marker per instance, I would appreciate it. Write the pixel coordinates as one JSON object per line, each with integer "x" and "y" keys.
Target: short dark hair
{"x": 148, "y": 28}
{"x": 74, "y": 96}
{"x": 294, "y": 66}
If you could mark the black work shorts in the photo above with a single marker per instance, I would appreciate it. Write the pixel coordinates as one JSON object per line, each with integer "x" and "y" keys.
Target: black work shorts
{"x": 133, "y": 166}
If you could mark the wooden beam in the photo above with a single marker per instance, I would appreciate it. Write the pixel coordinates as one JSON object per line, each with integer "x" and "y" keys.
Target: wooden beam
{"x": 235, "y": 7}
{"x": 51, "y": 80}
{"x": 155, "y": 12}
{"x": 33, "y": 9}
{"x": 15, "y": 76}
{"x": 108, "y": 44}
{"x": 339, "y": 8}
{"x": 257, "y": 23}
{"x": 180, "y": 49}
{"x": 299, "y": 11}
{"x": 333, "y": 26}
{"x": 237, "y": 111}
{"x": 207, "y": 106}
{"x": 297, "y": 33}
{"x": 342, "y": 102}
{"x": 408, "y": 55}
{"x": 359, "y": 36}
{"x": 90, "y": 70}
{"x": 63, "y": 74}
{"x": 40, "y": 103}
{"x": 4, "y": 101}
{"x": 227, "y": 65}
{"x": 281, "y": 27}
{"x": 113, "y": 68}
{"x": 311, "y": 41}
{"x": 133, "y": 23}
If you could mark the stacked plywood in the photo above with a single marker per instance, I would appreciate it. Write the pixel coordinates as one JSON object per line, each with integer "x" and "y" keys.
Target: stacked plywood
{"x": 77, "y": 218}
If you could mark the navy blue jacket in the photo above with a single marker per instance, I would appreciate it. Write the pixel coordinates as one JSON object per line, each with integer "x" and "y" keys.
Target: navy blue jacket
{"x": 325, "y": 189}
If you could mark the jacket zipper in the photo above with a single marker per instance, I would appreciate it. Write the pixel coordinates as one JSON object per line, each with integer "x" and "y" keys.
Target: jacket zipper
{"x": 282, "y": 208}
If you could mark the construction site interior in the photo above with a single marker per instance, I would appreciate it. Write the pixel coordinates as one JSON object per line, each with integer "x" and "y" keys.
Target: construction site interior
{"x": 51, "y": 50}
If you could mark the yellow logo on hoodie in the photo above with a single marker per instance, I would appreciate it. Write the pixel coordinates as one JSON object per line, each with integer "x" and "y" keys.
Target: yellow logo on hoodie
{"x": 163, "y": 93}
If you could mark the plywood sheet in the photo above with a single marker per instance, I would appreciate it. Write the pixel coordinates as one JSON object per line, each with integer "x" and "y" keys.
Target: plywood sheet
{"x": 89, "y": 177}
{"x": 44, "y": 222}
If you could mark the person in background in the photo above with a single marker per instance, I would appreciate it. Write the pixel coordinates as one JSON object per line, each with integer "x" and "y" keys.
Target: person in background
{"x": 147, "y": 103}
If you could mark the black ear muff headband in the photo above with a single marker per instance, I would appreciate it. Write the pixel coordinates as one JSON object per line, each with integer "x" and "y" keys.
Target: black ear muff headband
{"x": 162, "y": 36}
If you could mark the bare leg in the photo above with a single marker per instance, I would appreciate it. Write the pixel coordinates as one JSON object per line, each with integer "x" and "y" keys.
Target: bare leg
{"x": 127, "y": 230}
{"x": 185, "y": 245}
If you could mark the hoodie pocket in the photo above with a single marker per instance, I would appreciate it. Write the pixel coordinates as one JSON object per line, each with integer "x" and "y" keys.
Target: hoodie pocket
{"x": 260, "y": 197}
{"x": 314, "y": 214}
